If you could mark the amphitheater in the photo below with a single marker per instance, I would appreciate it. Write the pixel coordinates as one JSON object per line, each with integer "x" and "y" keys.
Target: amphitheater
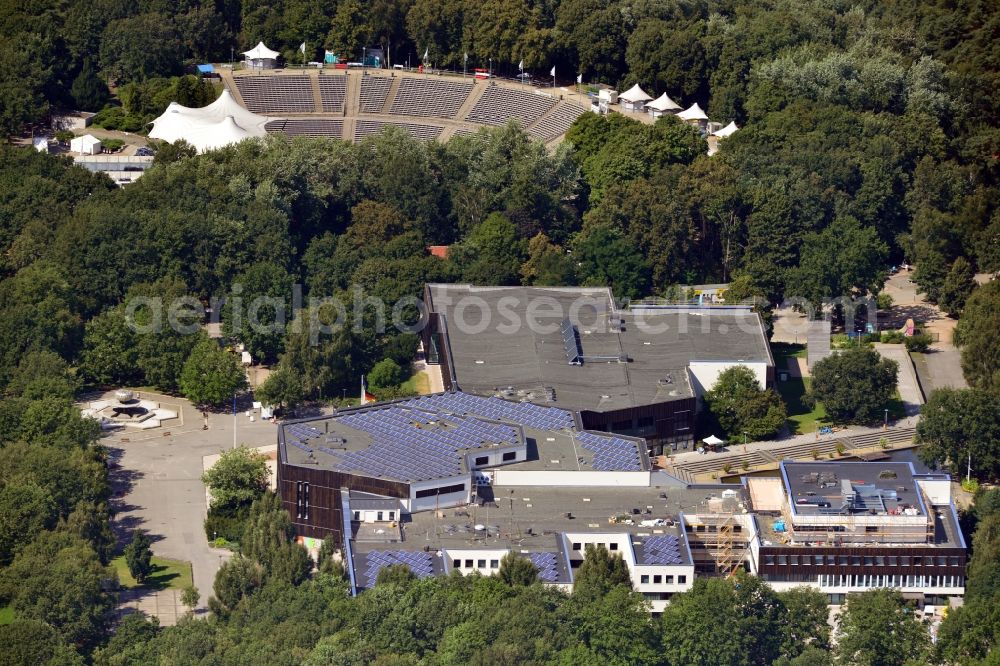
{"x": 354, "y": 104}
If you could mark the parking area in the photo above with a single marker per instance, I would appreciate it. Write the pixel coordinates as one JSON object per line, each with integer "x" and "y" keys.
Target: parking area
{"x": 156, "y": 480}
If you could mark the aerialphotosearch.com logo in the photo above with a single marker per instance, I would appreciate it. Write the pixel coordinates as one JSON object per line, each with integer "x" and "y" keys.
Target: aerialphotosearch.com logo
{"x": 504, "y": 311}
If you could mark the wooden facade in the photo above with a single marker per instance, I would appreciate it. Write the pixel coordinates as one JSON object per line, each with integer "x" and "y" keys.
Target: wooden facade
{"x": 325, "y": 511}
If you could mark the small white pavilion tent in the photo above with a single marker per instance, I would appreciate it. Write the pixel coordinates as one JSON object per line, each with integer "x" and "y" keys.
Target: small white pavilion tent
{"x": 261, "y": 57}
{"x": 728, "y": 130}
{"x": 634, "y": 99}
{"x": 88, "y": 144}
{"x": 662, "y": 106}
{"x": 693, "y": 114}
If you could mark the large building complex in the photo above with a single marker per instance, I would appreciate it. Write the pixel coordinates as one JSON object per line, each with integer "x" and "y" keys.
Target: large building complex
{"x": 635, "y": 370}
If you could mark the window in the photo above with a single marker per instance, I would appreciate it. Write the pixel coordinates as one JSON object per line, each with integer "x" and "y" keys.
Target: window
{"x": 378, "y": 516}
{"x": 622, "y": 425}
{"x": 682, "y": 579}
{"x": 468, "y": 564}
{"x": 818, "y": 560}
{"x": 357, "y": 515}
{"x": 392, "y": 515}
{"x": 457, "y": 564}
{"x": 482, "y": 460}
{"x": 494, "y": 564}
{"x": 613, "y": 546}
{"x": 305, "y": 501}
{"x": 643, "y": 579}
{"x": 481, "y": 564}
{"x": 646, "y": 422}
{"x": 669, "y": 580}
{"x": 769, "y": 559}
{"x": 577, "y": 545}
{"x": 657, "y": 580}
{"x": 298, "y": 499}
{"x": 871, "y": 529}
{"x": 782, "y": 560}
{"x": 443, "y": 490}
{"x": 509, "y": 456}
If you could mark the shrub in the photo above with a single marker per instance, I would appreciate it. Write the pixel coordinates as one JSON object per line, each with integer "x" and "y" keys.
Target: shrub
{"x": 918, "y": 343}
{"x": 226, "y": 525}
{"x": 893, "y": 337}
{"x": 840, "y": 448}
{"x": 111, "y": 145}
{"x": 815, "y": 454}
{"x": 727, "y": 467}
{"x": 883, "y": 301}
{"x": 64, "y": 136}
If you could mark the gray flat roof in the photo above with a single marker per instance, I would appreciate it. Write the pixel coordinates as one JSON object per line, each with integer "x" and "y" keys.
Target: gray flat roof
{"x": 508, "y": 341}
{"x": 881, "y": 487}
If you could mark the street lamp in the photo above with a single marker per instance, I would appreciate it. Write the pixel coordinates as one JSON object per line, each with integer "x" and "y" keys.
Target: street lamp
{"x": 744, "y": 441}
{"x": 885, "y": 422}
{"x": 491, "y": 68}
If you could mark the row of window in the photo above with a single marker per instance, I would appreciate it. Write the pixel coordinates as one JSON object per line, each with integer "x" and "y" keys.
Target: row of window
{"x": 480, "y": 564}
{"x": 662, "y": 580}
{"x": 378, "y": 516}
{"x": 864, "y": 560}
{"x": 509, "y": 456}
{"x": 443, "y": 490}
{"x": 302, "y": 500}
{"x": 710, "y": 529}
{"x": 610, "y": 546}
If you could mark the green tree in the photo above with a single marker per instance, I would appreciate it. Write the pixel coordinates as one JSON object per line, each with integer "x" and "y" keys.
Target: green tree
{"x": 236, "y": 579}
{"x": 29, "y": 642}
{"x": 385, "y": 374}
{"x": 547, "y": 265}
{"x": 977, "y": 338}
{"x": 109, "y": 350}
{"x": 282, "y": 388}
{"x": 268, "y": 528}
{"x": 25, "y": 511}
{"x": 843, "y": 260}
{"x": 607, "y": 259}
{"x": 22, "y": 81}
{"x": 957, "y": 287}
{"x": 58, "y": 579}
{"x": 135, "y": 48}
{"x": 139, "y": 557}
{"x": 395, "y": 574}
{"x": 741, "y": 406}
{"x": 258, "y": 310}
{"x": 958, "y": 425}
{"x": 855, "y": 385}
{"x": 878, "y": 628}
{"x": 190, "y": 597}
{"x": 516, "y": 570}
{"x": 600, "y": 572}
{"x": 491, "y": 253}
{"x": 348, "y": 30}
{"x": 89, "y": 92}
{"x": 237, "y": 479}
{"x": 807, "y": 622}
{"x": 211, "y": 375}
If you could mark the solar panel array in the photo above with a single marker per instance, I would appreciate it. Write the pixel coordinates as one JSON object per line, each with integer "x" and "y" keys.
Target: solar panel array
{"x": 406, "y": 445}
{"x": 611, "y": 454}
{"x": 420, "y": 563}
{"x": 548, "y": 570}
{"x": 525, "y": 413}
{"x": 298, "y": 435}
{"x": 662, "y": 550}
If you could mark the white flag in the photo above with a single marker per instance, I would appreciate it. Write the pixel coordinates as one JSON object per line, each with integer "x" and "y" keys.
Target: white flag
{"x": 426, "y": 51}
{"x": 520, "y": 65}
{"x": 579, "y": 78}
{"x": 553, "y": 72}
{"x": 302, "y": 47}
{"x": 466, "y": 57}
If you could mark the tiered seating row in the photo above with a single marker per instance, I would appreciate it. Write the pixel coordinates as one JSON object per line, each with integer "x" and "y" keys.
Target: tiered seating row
{"x": 277, "y": 94}
{"x": 307, "y": 127}
{"x": 429, "y": 98}
{"x": 374, "y": 90}
{"x": 557, "y": 123}
{"x": 332, "y": 91}
{"x": 365, "y": 128}
{"x": 499, "y": 104}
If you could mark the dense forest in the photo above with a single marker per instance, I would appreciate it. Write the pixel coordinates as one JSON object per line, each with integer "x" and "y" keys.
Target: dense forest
{"x": 870, "y": 136}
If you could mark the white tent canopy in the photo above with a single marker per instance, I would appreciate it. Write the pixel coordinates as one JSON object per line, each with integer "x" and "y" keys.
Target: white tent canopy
{"x": 663, "y": 103}
{"x": 692, "y": 113}
{"x": 712, "y": 440}
{"x": 219, "y": 124}
{"x": 634, "y": 94}
{"x": 88, "y": 144}
{"x": 728, "y": 130}
{"x": 261, "y": 52}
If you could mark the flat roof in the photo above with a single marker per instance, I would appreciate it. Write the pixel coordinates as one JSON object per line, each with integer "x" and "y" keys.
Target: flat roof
{"x": 429, "y": 438}
{"x": 879, "y": 488}
{"x": 512, "y": 341}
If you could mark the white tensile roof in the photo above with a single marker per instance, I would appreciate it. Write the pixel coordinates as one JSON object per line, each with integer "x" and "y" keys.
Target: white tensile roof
{"x": 663, "y": 103}
{"x": 692, "y": 113}
{"x": 219, "y": 124}
{"x": 261, "y": 51}
{"x": 728, "y": 130}
{"x": 635, "y": 94}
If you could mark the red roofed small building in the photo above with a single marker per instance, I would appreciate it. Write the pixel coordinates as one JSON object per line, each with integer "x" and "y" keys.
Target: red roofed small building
{"x": 440, "y": 251}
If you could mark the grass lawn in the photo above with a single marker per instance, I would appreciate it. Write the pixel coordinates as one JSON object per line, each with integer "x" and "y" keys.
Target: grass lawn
{"x": 419, "y": 383}
{"x": 6, "y": 614}
{"x": 801, "y": 419}
{"x": 166, "y": 573}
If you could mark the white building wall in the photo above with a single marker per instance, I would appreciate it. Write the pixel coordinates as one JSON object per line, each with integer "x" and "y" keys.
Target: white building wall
{"x": 486, "y": 562}
{"x": 704, "y": 374}
{"x": 414, "y": 504}
{"x": 567, "y": 478}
